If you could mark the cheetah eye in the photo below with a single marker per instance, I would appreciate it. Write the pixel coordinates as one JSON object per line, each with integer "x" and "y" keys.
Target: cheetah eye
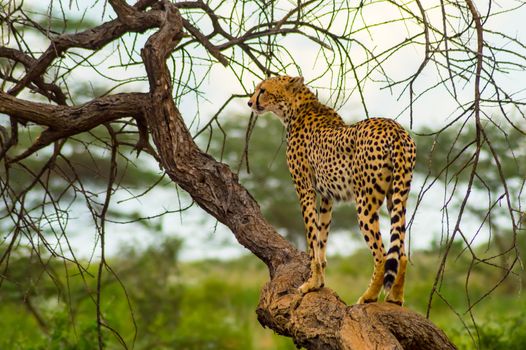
{"x": 262, "y": 91}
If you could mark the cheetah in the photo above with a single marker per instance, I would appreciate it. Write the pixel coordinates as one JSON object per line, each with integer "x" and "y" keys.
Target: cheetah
{"x": 365, "y": 162}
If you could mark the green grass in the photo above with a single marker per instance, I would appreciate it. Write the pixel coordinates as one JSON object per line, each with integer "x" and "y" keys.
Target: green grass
{"x": 237, "y": 284}
{"x": 211, "y": 304}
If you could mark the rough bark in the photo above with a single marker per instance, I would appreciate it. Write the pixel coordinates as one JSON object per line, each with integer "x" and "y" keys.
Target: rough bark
{"x": 318, "y": 320}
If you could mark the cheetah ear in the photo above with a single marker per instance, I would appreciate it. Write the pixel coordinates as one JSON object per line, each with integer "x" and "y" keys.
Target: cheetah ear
{"x": 296, "y": 81}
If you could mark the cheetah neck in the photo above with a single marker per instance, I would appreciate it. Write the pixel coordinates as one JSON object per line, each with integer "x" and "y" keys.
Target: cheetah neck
{"x": 307, "y": 113}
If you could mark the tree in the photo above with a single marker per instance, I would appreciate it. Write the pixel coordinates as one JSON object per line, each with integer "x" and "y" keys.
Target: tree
{"x": 250, "y": 39}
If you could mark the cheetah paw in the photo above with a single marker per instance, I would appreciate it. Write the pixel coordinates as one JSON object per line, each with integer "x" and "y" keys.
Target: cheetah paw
{"x": 364, "y": 300}
{"x": 391, "y": 300}
{"x": 312, "y": 284}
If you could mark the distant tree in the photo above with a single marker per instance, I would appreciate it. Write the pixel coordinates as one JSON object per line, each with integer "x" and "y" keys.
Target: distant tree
{"x": 48, "y": 56}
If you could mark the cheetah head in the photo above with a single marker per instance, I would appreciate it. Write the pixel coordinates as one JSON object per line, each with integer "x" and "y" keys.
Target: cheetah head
{"x": 275, "y": 95}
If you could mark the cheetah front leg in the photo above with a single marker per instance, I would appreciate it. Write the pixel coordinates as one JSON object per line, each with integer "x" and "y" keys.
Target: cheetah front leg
{"x": 325, "y": 221}
{"x": 312, "y": 228}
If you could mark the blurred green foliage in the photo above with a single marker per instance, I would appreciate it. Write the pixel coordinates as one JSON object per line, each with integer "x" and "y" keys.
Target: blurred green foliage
{"x": 448, "y": 155}
{"x": 165, "y": 304}
{"x": 85, "y": 158}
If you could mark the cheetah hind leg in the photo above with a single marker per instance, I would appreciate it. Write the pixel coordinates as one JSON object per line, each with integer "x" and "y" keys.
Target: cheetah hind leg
{"x": 370, "y": 227}
{"x": 396, "y": 294}
{"x": 375, "y": 286}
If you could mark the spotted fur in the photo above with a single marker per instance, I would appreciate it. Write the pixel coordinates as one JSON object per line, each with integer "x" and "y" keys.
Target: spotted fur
{"x": 366, "y": 162}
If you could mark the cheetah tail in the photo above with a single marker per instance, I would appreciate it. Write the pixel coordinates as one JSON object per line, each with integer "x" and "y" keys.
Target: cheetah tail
{"x": 403, "y": 164}
{"x": 391, "y": 270}
{"x": 395, "y": 249}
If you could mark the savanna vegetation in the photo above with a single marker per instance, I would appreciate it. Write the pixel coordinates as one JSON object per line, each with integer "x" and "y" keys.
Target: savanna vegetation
{"x": 158, "y": 301}
{"x": 102, "y": 104}
{"x": 168, "y": 304}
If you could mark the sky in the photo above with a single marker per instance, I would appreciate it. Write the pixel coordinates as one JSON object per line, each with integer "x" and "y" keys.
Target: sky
{"x": 434, "y": 110}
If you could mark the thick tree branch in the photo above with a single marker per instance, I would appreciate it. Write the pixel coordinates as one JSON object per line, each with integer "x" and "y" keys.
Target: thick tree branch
{"x": 93, "y": 39}
{"x": 64, "y": 121}
{"x": 77, "y": 118}
{"x": 211, "y": 184}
